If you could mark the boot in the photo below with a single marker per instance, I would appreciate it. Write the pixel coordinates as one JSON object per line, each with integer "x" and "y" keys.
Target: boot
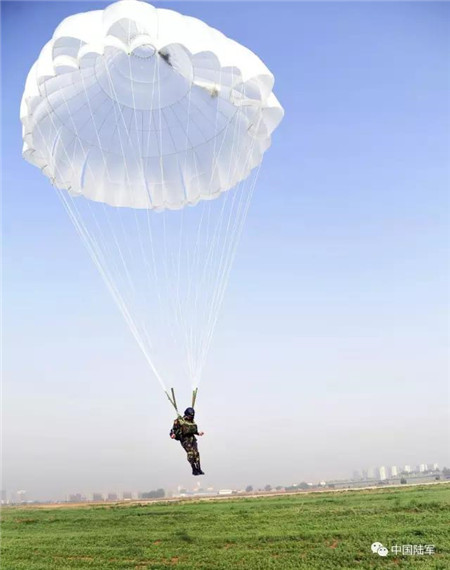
{"x": 198, "y": 469}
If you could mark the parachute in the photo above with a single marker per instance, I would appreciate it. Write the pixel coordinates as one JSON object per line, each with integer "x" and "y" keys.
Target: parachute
{"x": 152, "y": 126}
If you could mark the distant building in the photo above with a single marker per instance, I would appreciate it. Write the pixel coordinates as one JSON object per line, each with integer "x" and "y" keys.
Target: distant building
{"x": 382, "y": 473}
{"x": 356, "y": 476}
{"x": 21, "y": 496}
{"x": 112, "y": 496}
{"x": 97, "y": 497}
{"x": 423, "y": 467}
{"x": 407, "y": 468}
{"x": 225, "y": 492}
{"x": 435, "y": 466}
{"x": 394, "y": 471}
{"x": 76, "y": 498}
{"x": 127, "y": 495}
{"x": 371, "y": 473}
{"x": 365, "y": 474}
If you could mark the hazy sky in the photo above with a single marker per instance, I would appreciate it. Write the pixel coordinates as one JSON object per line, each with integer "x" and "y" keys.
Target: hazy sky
{"x": 332, "y": 350}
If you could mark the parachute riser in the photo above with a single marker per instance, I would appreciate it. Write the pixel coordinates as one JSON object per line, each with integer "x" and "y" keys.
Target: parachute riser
{"x": 194, "y": 397}
{"x": 173, "y": 401}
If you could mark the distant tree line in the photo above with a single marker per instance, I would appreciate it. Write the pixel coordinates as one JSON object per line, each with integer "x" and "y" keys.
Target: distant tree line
{"x": 303, "y": 486}
{"x": 158, "y": 494}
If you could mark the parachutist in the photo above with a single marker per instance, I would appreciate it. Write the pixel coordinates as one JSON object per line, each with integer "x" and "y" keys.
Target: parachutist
{"x": 184, "y": 430}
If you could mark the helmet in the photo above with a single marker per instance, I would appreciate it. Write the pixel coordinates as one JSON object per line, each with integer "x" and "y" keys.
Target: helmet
{"x": 189, "y": 412}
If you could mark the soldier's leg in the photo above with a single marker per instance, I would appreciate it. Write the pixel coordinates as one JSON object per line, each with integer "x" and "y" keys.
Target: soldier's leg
{"x": 196, "y": 456}
{"x": 190, "y": 453}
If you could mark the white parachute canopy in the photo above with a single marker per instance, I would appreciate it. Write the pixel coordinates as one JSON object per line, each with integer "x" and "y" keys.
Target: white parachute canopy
{"x": 136, "y": 114}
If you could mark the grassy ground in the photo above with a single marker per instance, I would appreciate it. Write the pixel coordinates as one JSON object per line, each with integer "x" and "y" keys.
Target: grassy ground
{"x": 311, "y": 531}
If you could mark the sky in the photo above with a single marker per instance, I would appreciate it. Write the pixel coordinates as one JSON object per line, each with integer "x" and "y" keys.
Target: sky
{"x": 331, "y": 353}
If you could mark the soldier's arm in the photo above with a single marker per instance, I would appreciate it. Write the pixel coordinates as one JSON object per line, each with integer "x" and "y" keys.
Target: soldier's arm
{"x": 174, "y": 427}
{"x": 196, "y": 432}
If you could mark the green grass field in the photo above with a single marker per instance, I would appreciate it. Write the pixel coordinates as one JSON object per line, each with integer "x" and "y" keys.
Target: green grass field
{"x": 312, "y": 531}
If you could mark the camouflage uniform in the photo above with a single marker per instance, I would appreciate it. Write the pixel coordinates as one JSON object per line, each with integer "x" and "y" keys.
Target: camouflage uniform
{"x": 185, "y": 431}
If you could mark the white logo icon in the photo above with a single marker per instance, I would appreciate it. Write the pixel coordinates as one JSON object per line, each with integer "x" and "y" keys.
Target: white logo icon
{"x": 379, "y": 548}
